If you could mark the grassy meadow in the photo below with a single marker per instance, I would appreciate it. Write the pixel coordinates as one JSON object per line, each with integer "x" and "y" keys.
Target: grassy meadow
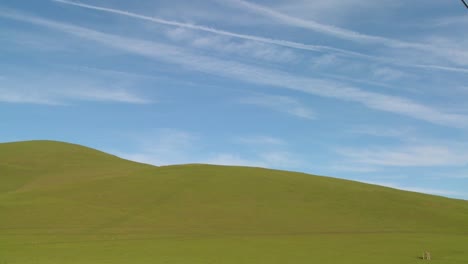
{"x": 64, "y": 203}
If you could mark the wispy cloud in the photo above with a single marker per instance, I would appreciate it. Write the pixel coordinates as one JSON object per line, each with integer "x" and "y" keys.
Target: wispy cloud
{"x": 260, "y": 140}
{"x": 347, "y": 168}
{"x": 390, "y": 132}
{"x": 111, "y": 95}
{"x": 270, "y": 152}
{"x": 407, "y": 156}
{"x": 283, "y": 104}
{"x": 324, "y": 28}
{"x": 157, "y": 20}
{"x": 291, "y": 44}
{"x": 12, "y": 95}
{"x": 163, "y": 147}
{"x": 256, "y": 75}
{"x": 267, "y": 159}
{"x": 63, "y": 89}
{"x": 281, "y": 159}
{"x": 229, "y": 159}
{"x": 387, "y": 74}
{"x": 16, "y": 40}
{"x": 451, "y": 21}
{"x": 325, "y": 61}
{"x": 243, "y": 48}
{"x": 335, "y": 10}
{"x": 111, "y": 73}
{"x": 458, "y": 56}
{"x": 440, "y": 68}
{"x": 172, "y": 146}
{"x": 417, "y": 189}
{"x": 35, "y": 94}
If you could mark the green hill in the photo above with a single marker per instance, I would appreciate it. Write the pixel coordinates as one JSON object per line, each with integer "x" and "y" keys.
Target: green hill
{"x": 64, "y": 203}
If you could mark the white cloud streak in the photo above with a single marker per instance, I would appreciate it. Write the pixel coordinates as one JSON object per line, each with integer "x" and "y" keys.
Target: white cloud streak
{"x": 171, "y": 146}
{"x": 110, "y": 95}
{"x": 229, "y": 159}
{"x": 163, "y": 147}
{"x": 37, "y": 93}
{"x": 246, "y": 48}
{"x": 255, "y": 75}
{"x": 161, "y": 21}
{"x": 387, "y": 74}
{"x": 457, "y": 56}
{"x": 407, "y": 156}
{"x": 451, "y": 21}
{"x": 286, "y": 43}
{"x": 324, "y": 28}
{"x": 9, "y": 95}
{"x": 416, "y": 189}
{"x": 401, "y": 133}
{"x": 265, "y": 159}
{"x": 260, "y": 140}
{"x": 352, "y": 168}
{"x": 283, "y": 104}
{"x": 280, "y": 159}
{"x": 335, "y": 10}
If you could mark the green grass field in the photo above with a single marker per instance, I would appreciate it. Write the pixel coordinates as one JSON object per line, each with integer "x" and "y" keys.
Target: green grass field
{"x": 64, "y": 203}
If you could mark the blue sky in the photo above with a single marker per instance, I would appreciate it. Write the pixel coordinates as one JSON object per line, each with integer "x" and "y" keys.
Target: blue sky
{"x": 374, "y": 91}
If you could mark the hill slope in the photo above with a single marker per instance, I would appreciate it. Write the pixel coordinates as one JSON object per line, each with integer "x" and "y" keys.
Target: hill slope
{"x": 61, "y": 196}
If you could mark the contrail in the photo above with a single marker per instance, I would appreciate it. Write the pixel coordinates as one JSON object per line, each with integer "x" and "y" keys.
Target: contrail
{"x": 253, "y": 74}
{"x": 283, "y": 43}
{"x": 278, "y": 42}
{"x": 325, "y": 28}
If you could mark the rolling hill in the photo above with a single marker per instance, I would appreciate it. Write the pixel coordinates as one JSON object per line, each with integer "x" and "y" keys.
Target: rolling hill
{"x": 65, "y": 203}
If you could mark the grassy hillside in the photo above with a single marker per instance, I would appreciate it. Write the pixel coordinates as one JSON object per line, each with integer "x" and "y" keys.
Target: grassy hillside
{"x": 64, "y": 203}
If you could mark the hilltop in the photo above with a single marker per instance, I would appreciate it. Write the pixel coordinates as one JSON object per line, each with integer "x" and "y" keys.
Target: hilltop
{"x": 59, "y": 199}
